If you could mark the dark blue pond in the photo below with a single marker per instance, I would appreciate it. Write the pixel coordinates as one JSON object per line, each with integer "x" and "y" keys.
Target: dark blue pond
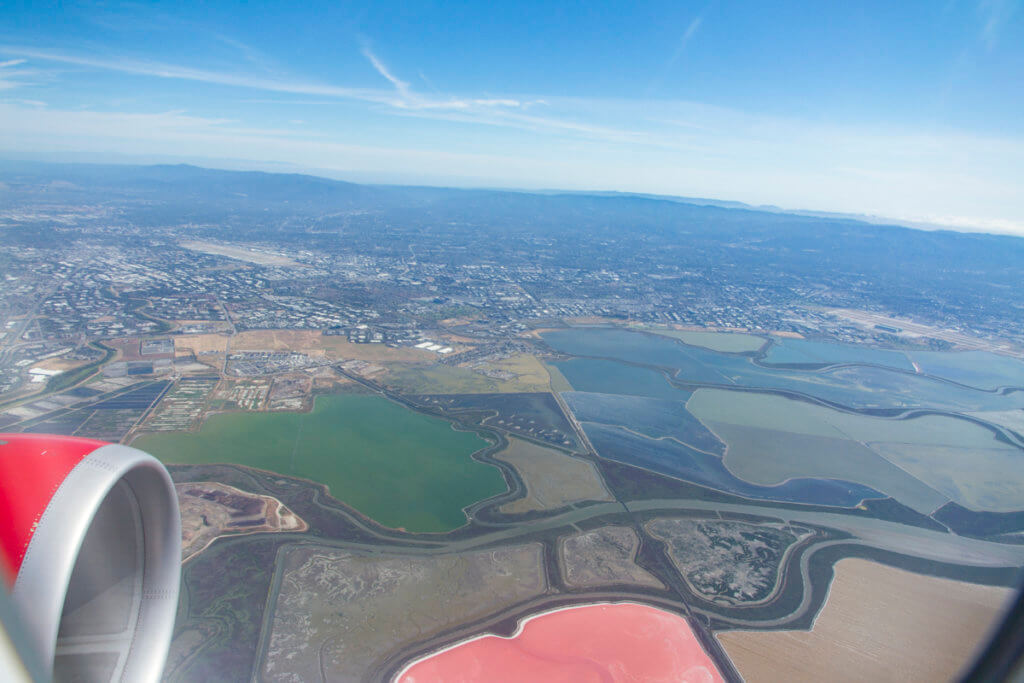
{"x": 675, "y": 460}
{"x": 651, "y": 416}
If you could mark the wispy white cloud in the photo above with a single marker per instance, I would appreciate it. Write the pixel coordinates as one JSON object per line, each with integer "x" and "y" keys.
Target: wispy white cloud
{"x": 492, "y": 111}
{"x": 402, "y": 97}
{"x": 585, "y": 143}
{"x": 428, "y": 82}
{"x": 401, "y": 86}
{"x": 249, "y": 53}
{"x": 407, "y": 99}
{"x": 12, "y": 77}
{"x": 943, "y": 176}
{"x": 172, "y": 71}
{"x": 289, "y": 101}
{"x": 187, "y": 136}
{"x": 688, "y": 33}
{"x": 995, "y": 14}
{"x": 566, "y": 123}
{"x": 30, "y": 103}
{"x": 169, "y": 125}
{"x": 677, "y": 53}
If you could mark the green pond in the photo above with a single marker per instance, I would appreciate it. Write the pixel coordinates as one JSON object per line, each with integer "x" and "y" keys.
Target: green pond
{"x": 399, "y": 467}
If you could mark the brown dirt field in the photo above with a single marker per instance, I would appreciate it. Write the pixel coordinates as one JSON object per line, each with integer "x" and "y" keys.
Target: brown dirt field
{"x": 528, "y": 369}
{"x": 127, "y": 348}
{"x": 274, "y": 340}
{"x": 452, "y": 339}
{"x": 330, "y": 384}
{"x": 879, "y": 624}
{"x": 59, "y": 364}
{"x": 315, "y": 344}
{"x": 204, "y": 521}
{"x": 451, "y": 322}
{"x": 214, "y": 326}
{"x": 339, "y": 347}
{"x": 408, "y": 378}
{"x": 202, "y": 343}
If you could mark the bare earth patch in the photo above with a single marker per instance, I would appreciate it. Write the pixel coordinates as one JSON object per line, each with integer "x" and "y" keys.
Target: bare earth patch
{"x": 879, "y": 623}
{"x": 202, "y": 343}
{"x": 339, "y": 615}
{"x": 210, "y": 510}
{"x": 529, "y": 372}
{"x": 59, "y": 364}
{"x": 604, "y": 557}
{"x": 314, "y": 343}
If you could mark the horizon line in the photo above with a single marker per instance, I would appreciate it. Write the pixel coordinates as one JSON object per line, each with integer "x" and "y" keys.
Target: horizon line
{"x": 923, "y": 224}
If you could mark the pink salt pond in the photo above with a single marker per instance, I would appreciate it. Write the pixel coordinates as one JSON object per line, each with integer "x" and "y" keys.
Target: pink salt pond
{"x": 602, "y": 642}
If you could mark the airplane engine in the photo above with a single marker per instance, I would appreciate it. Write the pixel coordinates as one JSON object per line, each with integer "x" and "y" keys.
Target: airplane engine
{"x": 90, "y": 538}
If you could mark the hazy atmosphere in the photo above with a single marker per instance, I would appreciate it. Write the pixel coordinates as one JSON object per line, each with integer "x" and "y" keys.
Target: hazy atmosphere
{"x": 910, "y": 111}
{"x": 448, "y": 341}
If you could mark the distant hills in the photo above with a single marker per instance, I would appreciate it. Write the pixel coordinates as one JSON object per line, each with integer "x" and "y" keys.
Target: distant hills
{"x": 726, "y": 204}
{"x": 182, "y": 183}
{"x": 254, "y": 200}
{"x": 788, "y": 256}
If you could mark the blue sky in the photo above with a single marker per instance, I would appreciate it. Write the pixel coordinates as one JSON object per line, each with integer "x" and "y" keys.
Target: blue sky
{"x": 910, "y": 110}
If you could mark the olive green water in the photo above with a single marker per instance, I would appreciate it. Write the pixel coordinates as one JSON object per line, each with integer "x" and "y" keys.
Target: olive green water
{"x": 397, "y": 466}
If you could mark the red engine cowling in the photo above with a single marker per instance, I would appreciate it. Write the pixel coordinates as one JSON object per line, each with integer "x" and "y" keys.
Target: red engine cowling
{"x": 90, "y": 540}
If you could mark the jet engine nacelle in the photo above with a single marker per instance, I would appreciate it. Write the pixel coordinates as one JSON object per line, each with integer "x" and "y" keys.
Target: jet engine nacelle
{"x": 90, "y": 537}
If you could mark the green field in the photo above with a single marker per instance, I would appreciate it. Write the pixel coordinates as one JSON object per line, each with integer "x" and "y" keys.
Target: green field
{"x": 406, "y": 378}
{"x": 725, "y": 342}
{"x": 558, "y": 381}
{"x": 399, "y": 467}
{"x": 553, "y": 479}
